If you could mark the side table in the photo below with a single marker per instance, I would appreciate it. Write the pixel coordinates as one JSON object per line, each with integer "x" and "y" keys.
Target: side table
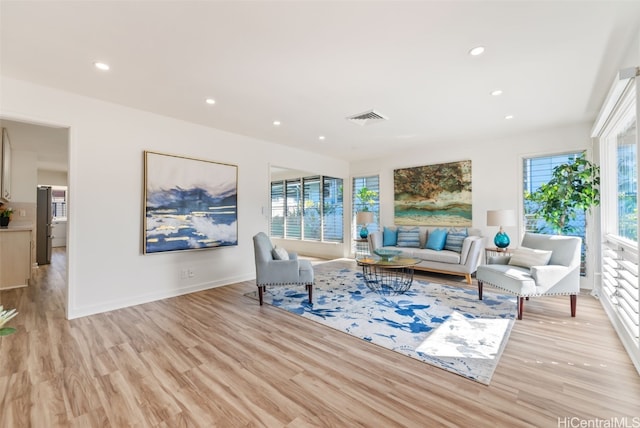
{"x": 496, "y": 252}
{"x": 362, "y": 248}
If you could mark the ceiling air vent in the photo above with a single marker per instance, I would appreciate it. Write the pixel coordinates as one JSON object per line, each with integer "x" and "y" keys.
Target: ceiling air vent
{"x": 367, "y": 118}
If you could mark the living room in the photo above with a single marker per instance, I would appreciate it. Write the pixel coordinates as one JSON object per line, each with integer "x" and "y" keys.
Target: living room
{"x": 106, "y": 267}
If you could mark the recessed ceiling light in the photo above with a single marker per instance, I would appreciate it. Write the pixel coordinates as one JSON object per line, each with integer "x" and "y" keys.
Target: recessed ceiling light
{"x": 321, "y": 137}
{"x": 101, "y": 66}
{"x": 276, "y": 123}
{"x": 496, "y": 92}
{"x": 210, "y": 101}
{"x": 509, "y": 117}
{"x": 478, "y": 50}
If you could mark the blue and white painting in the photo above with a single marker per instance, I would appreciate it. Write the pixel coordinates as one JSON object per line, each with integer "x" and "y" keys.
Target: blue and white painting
{"x": 190, "y": 204}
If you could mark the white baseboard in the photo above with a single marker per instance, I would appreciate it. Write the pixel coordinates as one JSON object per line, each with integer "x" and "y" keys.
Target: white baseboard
{"x": 79, "y": 312}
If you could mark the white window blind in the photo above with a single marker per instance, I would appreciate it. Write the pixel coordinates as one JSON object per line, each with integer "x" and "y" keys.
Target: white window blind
{"x": 371, "y": 183}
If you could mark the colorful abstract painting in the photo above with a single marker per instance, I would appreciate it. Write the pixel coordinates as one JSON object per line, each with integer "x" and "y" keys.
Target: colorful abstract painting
{"x": 433, "y": 195}
{"x": 190, "y": 204}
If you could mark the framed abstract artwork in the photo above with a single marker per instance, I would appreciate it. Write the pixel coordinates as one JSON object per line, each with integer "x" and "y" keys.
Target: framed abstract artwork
{"x": 189, "y": 204}
{"x": 433, "y": 195}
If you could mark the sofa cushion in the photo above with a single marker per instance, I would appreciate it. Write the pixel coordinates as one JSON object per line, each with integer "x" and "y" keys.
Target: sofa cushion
{"x": 455, "y": 237}
{"x": 429, "y": 255}
{"x": 408, "y": 237}
{"x": 437, "y": 239}
{"x": 528, "y": 257}
{"x": 389, "y": 236}
{"x": 436, "y": 256}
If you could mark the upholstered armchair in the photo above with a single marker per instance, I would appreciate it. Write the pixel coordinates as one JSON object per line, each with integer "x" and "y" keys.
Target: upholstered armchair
{"x": 543, "y": 265}
{"x": 275, "y": 267}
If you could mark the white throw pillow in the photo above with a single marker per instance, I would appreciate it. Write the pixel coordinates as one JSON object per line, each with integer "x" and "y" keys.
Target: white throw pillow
{"x": 527, "y": 257}
{"x": 280, "y": 254}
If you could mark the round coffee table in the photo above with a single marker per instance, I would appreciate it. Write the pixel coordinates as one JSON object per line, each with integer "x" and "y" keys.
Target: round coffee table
{"x": 388, "y": 277}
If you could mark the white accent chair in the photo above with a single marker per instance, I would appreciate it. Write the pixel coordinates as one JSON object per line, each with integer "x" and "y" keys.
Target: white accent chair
{"x": 561, "y": 276}
{"x": 272, "y": 272}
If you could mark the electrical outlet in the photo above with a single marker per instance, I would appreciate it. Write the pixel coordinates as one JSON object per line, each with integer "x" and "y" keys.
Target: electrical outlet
{"x": 22, "y": 213}
{"x": 183, "y": 273}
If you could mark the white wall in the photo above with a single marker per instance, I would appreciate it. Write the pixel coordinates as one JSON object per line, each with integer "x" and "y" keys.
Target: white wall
{"x": 52, "y": 178}
{"x": 106, "y": 268}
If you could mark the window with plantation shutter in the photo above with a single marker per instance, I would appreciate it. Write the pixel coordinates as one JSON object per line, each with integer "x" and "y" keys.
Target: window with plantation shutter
{"x": 371, "y": 183}
{"x": 312, "y": 208}
{"x": 277, "y": 209}
{"x": 293, "y": 209}
{"x": 332, "y": 209}
{"x": 307, "y": 208}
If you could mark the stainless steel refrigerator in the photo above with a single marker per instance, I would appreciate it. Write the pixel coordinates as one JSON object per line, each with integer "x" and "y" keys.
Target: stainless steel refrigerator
{"x": 44, "y": 220}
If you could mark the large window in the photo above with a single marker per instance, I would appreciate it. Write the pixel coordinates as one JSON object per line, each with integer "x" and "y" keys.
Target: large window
{"x": 307, "y": 208}
{"x": 619, "y": 291}
{"x": 371, "y": 183}
{"x": 627, "y": 181}
{"x": 332, "y": 209}
{"x": 537, "y": 171}
{"x": 59, "y": 202}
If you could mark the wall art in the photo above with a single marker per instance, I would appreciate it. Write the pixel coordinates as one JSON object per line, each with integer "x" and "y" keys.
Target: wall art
{"x": 189, "y": 204}
{"x": 433, "y": 195}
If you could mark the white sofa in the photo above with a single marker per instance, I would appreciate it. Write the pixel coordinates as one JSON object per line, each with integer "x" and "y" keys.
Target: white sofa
{"x": 463, "y": 263}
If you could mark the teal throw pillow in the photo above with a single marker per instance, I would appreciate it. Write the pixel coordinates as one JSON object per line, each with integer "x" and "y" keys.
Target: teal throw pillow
{"x": 437, "y": 239}
{"x": 389, "y": 237}
{"x": 409, "y": 237}
{"x": 455, "y": 237}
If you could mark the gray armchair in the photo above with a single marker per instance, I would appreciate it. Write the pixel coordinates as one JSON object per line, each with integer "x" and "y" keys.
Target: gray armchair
{"x": 525, "y": 275}
{"x": 270, "y": 271}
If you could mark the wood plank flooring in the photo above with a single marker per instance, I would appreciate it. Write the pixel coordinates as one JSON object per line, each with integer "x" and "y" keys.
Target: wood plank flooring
{"x": 216, "y": 358}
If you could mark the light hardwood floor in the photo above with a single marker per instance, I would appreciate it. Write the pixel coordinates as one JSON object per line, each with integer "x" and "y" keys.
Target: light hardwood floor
{"x": 216, "y": 358}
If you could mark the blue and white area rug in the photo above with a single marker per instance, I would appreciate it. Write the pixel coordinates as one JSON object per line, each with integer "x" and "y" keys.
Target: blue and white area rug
{"x": 441, "y": 325}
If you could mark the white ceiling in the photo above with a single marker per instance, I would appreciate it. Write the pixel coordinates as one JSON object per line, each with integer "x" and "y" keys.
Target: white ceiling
{"x": 310, "y": 64}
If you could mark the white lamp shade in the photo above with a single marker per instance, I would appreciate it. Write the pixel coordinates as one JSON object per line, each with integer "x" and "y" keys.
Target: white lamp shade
{"x": 501, "y": 218}
{"x": 364, "y": 217}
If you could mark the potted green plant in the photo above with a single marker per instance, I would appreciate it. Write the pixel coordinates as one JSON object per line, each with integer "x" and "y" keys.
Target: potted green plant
{"x": 5, "y": 216}
{"x": 366, "y": 200}
{"x": 574, "y": 186}
{"x": 5, "y": 316}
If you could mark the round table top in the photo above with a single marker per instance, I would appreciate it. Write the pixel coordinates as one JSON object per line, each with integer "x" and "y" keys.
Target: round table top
{"x": 394, "y": 263}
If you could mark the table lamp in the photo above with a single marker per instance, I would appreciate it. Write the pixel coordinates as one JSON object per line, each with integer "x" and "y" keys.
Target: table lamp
{"x": 364, "y": 218}
{"x": 501, "y": 218}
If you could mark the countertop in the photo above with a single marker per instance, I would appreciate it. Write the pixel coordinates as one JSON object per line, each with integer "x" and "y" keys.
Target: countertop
{"x": 15, "y": 228}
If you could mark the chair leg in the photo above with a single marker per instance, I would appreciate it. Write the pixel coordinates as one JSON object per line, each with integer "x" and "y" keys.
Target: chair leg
{"x": 520, "y": 307}
{"x": 260, "y": 291}
{"x": 310, "y": 290}
{"x": 574, "y": 301}
{"x": 467, "y": 276}
{"x": 479, "y": 290}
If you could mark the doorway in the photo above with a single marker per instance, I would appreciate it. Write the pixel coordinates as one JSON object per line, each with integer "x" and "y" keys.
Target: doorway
{"x": 40, "y": 154}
